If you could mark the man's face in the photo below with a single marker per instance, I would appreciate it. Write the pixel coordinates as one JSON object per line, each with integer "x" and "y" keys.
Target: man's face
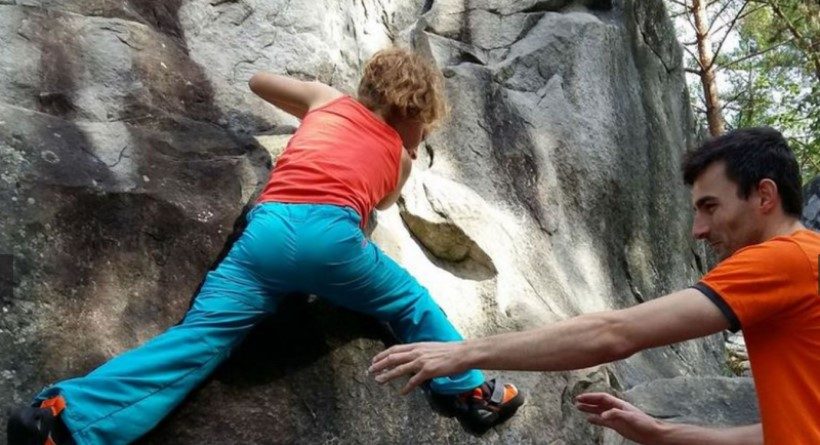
{"x": 722, "y": 218}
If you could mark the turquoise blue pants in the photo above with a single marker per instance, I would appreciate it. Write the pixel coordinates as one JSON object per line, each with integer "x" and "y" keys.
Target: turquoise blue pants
{"x": 286, "y": 248}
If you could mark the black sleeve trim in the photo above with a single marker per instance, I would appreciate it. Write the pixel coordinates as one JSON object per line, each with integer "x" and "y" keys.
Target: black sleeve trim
{"x": 734, "y": 323}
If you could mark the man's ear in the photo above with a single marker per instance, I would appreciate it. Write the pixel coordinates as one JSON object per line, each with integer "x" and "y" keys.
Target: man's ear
{"x": 768, "y": 194}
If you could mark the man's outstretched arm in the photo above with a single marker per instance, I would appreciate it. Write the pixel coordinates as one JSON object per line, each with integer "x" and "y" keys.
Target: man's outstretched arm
{"x": 633, "y": 424}
{"x": 579, "y": 342}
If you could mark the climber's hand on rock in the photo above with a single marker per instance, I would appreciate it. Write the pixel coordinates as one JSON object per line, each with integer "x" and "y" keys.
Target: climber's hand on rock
{"x": 421, "y": 361}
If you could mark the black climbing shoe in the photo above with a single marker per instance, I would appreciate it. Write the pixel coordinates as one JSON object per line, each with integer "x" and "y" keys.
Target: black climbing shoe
{"x": 482, "y": 408}
{"x": 38, "y": 425}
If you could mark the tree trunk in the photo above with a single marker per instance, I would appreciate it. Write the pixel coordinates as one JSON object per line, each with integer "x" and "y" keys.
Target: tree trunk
{"x": 714, "y": 116}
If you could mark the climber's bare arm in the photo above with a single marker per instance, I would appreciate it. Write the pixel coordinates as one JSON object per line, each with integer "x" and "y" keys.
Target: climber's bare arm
{"x": 294, "y": 96}
{"x": 405, "y": 165}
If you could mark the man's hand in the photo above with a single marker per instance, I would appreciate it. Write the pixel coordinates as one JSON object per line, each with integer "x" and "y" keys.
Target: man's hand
{"x": 627, "y": 420}
{"x": 635, "y": 425}
{"x": 421, "y": 360}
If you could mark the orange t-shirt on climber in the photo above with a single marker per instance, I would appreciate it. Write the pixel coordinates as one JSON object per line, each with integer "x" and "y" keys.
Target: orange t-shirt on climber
{"x": 771, "y": 291}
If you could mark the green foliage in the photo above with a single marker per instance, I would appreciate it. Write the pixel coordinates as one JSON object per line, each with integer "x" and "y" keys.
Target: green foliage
{"x": 773, "y": 77}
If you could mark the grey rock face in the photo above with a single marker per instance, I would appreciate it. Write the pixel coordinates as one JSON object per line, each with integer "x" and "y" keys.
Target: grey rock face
{"x": 714, "y": 401}
{"x": 127, "y": 149}
{"x": 811, "y": 204}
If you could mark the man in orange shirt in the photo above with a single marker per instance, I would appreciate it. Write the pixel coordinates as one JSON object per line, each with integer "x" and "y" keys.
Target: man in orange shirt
{"x": 747, "y": 200}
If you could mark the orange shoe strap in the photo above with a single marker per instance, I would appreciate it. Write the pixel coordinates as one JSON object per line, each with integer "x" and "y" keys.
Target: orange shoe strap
{"x": 57, "y": 404}
{"x": 510, "y": 392}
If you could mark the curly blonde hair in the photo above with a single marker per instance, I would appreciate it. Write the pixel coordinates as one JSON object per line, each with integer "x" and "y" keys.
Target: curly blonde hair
{"x": 399, "y": 81}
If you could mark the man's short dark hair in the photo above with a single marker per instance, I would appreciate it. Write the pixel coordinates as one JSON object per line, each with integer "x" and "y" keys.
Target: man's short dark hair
{"x": 751, "y": 155}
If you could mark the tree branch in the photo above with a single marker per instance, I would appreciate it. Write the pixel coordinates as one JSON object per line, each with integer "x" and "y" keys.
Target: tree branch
{"x": 745, "y": 14}
{"x": 680, "y": 3}
{"x": 799, "y": 38}
{"x": 754, "y": 54}
{"x": 691, "y": 54}
{"x": 715, "y": 17}
{"x": 689, "y": 19}
{"x": 733, "y": 99}
{"x": 731, "y": 25}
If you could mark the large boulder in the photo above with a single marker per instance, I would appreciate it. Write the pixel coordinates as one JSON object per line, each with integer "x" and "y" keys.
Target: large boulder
{"x": 715, "y": 401}
{"x": 811, "y": 204}
{"x": 130, "y": 145}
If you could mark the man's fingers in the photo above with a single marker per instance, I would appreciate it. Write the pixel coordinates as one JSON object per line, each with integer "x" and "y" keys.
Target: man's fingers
{"x": 414, "y": 382}
{"x": 614, "y": 418}
{"x": 617, "y": 416}
{"x": 595, "y": 419}
{"x": 601, "y": 398}
{"x": 421, "y": 361}
{"x": 596, "y": 398}
{"x": 391, "y": 361}
{"x": 391, "y": 350}
{"x": 592, "y": 409}
{"x": 398, "y": 371}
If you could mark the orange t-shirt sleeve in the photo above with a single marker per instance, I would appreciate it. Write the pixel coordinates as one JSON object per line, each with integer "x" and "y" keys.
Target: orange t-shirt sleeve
{"x": 758, "y": 282}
